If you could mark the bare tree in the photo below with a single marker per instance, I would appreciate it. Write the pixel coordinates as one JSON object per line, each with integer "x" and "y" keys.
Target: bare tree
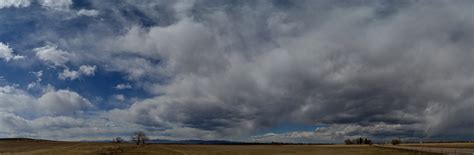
{"x": 348, "y": 142}
{"x": 139, "y": 137}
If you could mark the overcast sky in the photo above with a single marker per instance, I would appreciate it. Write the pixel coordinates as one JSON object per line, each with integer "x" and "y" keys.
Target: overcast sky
{"x": 256, "y": 70}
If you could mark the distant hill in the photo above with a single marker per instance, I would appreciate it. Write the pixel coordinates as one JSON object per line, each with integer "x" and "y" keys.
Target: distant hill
{"x": 223, "y": 142}
{"x": 157, "y": 141}
{"x": 166, "y": 141}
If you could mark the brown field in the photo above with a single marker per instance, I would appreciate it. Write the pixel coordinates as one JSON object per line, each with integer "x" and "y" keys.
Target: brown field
{"x": 443, "y": 145}
{"x": 76, "y": 148}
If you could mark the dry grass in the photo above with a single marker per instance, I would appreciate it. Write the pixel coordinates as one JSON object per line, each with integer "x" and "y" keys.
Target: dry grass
{"x": 443, "y": 145}
{"x": 76, "y": 148}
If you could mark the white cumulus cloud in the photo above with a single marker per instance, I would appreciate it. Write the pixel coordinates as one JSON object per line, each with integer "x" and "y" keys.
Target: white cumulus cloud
{"x": 87, "y": 70}
{"x": 52, "y": 102}
{"x": 84, "y": 70}
{"x": 14, "y": 3}
{"x": 6, "y": 53}
{"x": 14, "y": 100}
{"x": 69, "y": 74}
{"x": 52, "y": 55}
{"x": 62, "y": 102}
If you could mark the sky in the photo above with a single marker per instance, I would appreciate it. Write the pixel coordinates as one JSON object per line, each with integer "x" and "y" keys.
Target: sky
{"x": 250, "y": 70}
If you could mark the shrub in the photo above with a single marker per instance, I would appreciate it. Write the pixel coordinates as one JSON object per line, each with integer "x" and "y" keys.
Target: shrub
{"x": 396, "y": 142}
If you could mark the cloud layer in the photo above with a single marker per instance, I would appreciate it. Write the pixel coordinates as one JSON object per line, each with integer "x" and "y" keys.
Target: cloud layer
{"x": 229, "y": 70}
{"x": 348, "y": 65}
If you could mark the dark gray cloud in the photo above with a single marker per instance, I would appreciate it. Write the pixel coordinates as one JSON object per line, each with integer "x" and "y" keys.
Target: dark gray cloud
{"x": 253, "y": 65}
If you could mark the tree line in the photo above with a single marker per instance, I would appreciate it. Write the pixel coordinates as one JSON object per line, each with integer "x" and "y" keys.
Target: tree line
{"x": 364, "y": 140}
{"x": 138, "y": 138}
{"x": 360, "y": 140}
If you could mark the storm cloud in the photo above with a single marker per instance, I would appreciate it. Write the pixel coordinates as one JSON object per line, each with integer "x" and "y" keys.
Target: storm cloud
{"x": 344, "y": 65}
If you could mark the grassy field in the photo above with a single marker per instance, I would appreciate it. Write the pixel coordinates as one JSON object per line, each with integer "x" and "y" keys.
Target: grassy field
{"x": 76, "y": 148}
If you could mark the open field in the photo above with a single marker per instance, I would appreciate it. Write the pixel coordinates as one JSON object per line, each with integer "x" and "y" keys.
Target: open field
{"x": 432, "y": 149}
{"x": 443, "y": 145}
{"x": 76, "y": 148}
